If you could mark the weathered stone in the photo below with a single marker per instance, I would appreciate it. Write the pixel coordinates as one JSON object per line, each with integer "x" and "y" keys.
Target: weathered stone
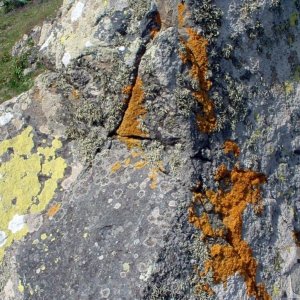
{"x": 128, "y": 130}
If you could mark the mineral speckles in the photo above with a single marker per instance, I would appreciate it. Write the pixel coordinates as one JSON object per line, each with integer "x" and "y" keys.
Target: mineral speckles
{"x": 66, "y": 59}
{"x": 117, "y": 205}
{"x": 105, "y": 293}
{"x": 5, "y": 118}
{"x": 21, "y": 191}
{"x": 16, "y": 224}
{"x": 3, "y": 238}
{"x": 77, "y": 11}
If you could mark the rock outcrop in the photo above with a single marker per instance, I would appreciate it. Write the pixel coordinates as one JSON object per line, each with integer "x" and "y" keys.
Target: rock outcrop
{"x": 158, "y": 156}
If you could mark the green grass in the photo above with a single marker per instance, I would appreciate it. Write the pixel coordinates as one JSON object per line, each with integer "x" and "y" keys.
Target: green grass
{"x": 13, "y": 26}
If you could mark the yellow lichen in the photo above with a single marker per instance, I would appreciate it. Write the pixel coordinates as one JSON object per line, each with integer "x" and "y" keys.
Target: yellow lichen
{"x": 239, "y": 189}
{"x": 21, "y": 191}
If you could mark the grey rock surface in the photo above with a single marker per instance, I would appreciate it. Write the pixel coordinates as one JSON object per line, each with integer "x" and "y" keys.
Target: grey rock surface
{"x": 117, "y": 156}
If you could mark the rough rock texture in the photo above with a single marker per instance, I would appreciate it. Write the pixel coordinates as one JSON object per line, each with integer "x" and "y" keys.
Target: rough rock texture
{"x": 158, "y": 157}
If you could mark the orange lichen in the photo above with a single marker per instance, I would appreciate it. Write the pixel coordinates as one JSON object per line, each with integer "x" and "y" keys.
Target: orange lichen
{"x": 116, "y": 167}
{"x": 75, "y": 94}
{"x": 204, "y": 287}
{"x": 130, "y": 126}
{"x": 240, "y": 188}
{"x": 231, "y": 147}
{"x": 296, "y": 235}
{"x": 156, "y": 26}
{"x": 130, "y": 142}
{"x": 135, "y": 154}
{"x": 140, "y": 164}
{"x": 53, "y": 210}
{"x": 195, "y": 55}
{"x": 127, "y": 162}
{"x": 153, "y": 176}
{"x": 201, "y": 222}
{"x": 181, "y": 12}
{"x": 127, "y": 90}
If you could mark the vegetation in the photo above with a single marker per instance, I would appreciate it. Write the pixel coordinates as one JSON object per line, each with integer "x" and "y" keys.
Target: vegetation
{"x": 13, "y": 25}
{"x": 12, "y": 4}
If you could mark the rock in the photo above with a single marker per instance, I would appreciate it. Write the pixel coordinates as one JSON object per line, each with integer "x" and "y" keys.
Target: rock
{"x": 157, "y": 157}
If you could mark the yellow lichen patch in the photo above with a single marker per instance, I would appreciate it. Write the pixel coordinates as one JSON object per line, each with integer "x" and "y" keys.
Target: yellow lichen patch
{"x": 231, "y": 147}
{"x": 116, "y": 167}
{"x": 239, "y": 189}
{"x": 53, "y": 210}
{"x": 21, "y": 191}
{"x": 288, "y": 87}
{"x": 130, "y": 126}
{"x": 21, "y": 287}
{"x": 195, "y": 55}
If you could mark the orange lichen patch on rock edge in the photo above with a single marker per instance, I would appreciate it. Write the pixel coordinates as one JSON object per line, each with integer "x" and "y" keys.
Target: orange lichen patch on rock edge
{"x": 130, "y": 126}
{"x": 231, "y": 147}
{"x": 195, "y": 54}
{"x": 53, "y": 210}
{"x": 157, "y": 25}
{"x": 242, "y": 187}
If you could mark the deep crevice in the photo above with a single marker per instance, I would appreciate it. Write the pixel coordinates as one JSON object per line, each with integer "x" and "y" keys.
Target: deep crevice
{"x": 152, "y": 24}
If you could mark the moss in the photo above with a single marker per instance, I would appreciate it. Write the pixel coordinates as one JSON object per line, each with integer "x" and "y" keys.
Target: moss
{"x": 13, "y": 26}
{"x": 238, "y": 189}
{"x": 21, "y": 190}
